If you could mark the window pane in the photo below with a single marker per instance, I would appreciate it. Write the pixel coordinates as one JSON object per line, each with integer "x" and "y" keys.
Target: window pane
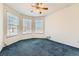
{"x": 12, "y": 24}
{"x": 39, "y": 26}
{"x": 27, "y": 25}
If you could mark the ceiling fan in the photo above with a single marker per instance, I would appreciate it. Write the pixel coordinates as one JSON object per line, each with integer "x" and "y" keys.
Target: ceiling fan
{"x": 40, "y": 6}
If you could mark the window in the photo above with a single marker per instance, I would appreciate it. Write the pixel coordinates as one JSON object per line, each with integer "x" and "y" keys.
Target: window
{"x": 39, "y": 26}
{"x": 27, "y": 26}
{"x": 12, "y": 24}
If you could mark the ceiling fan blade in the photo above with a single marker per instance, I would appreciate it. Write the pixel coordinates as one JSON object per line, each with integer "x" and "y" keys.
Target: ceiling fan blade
{"x": 45, "y": 8}
{"x": 37, "y": 4}
{"x": 37, "y": 7}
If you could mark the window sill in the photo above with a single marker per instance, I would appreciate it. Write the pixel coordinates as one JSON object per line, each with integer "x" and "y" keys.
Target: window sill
{"x": 9, "y": 36}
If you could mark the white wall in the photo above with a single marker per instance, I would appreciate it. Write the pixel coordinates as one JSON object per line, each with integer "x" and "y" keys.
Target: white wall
{"x": 63, "y": 25}
{"x": 1, "y": 26}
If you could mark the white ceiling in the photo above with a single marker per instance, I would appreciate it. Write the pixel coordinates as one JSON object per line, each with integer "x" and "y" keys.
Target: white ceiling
{"x": 26, "y": 8}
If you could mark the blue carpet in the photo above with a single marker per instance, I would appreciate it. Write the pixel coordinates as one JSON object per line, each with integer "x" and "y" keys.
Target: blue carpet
{"x": 39, "y": 47}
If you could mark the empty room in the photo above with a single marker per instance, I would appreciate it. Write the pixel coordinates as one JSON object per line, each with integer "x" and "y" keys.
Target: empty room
{"x": 39, "y": 29}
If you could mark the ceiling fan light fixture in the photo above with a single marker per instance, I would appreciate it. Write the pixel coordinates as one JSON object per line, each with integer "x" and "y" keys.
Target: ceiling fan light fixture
{"x": 39, "y": 7}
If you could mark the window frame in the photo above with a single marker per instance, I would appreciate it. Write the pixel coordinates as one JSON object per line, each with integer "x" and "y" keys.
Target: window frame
{"x": 31, "y": 30}
{"x": 14, "y": 24}
{"x": 43, "y": 25}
